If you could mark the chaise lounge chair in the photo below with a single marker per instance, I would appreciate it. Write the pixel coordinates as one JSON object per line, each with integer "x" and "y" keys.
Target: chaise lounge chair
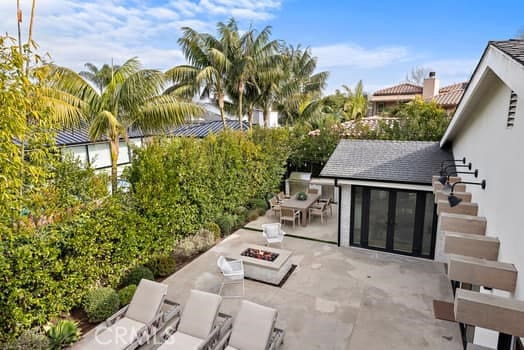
{"x": 253, "y": 329}
{"x": 135, "y": 324}
{"x": 200, "y": 326}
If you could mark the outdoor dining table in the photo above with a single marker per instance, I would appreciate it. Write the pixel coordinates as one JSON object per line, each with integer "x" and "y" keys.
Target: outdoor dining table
{"x": 303, "y": 206}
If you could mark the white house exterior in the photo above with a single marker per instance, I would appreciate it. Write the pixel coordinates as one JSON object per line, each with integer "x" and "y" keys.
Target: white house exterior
{"x": 488, "y": 129}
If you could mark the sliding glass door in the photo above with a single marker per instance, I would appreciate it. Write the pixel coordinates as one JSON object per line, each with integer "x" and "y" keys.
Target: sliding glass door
{"x": 398, "y": 221}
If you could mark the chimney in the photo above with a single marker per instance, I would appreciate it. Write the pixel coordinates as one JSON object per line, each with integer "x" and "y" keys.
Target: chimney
{"x": 431, "y": 86}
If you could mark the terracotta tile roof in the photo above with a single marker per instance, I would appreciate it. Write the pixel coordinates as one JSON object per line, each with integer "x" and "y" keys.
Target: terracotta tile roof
{"x": 400, "y": 89}
{"x": 513, "y": 48}
{"x": 451, "y": 98}
{"x": 456, "y": 86}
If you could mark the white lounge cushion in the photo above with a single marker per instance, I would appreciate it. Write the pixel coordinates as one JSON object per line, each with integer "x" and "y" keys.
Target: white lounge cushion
{"x": 181, "y": 341}
{"x": 252, "y": 327}
{"x": 122, "y": 333}
{"x": 224, "y": 265}
{"x": 229, "y": 347}
{"x": 147, "y": 301}
{"x": 199, "y": 314}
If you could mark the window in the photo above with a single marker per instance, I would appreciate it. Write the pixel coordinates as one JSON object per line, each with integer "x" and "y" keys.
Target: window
{"x": 512, "y": 109}
{"x": 380, "y": 107}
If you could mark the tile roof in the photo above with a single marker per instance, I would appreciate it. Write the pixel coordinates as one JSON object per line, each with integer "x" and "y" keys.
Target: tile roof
{"x": 400, "y": 89}
{"x": 205, "y": 128}
{"x": 513, "y": 48}
{"x": 456, "y": 86}
{"x": 412, "y": 162}
{"x": 450, "y": 98}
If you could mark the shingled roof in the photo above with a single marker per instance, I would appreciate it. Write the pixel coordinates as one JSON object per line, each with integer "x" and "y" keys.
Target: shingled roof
{"x": 413, "y": 162}
{"x": 206, "y": 128}
{"x": 513, "y": 48}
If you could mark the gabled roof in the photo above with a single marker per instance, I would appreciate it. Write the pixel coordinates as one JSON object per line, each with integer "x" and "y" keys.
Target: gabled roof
{"x": 448, "y": 98}
{"x": 413, "y": 162}
{"x": 513, "y": 48}
{"x": 206, "y": 128}
{"x": 400, "y": 89}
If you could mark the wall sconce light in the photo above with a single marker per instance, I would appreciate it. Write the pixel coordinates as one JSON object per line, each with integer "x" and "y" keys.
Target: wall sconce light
{"x": 454, "y": 200}
{"x": 444, "y": 179}
{"x": 444, "y": 170}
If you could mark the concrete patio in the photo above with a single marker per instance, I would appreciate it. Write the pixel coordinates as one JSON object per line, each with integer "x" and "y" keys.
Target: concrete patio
{"x": 338, "y": 298}
{"x": 326, "y": 231}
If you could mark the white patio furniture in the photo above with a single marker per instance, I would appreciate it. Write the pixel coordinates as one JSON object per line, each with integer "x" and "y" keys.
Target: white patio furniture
{"x": 273, "y": 233}
{"x": 289, "y": 214}
{"x": 135, "y": 324}
{"x": 200, "y": 326}
{"x": 253, "y": 329}
{"x": 233, "y": 273}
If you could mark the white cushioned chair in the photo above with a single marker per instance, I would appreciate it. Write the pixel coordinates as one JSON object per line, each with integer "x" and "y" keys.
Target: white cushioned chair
{"x": 253, "y": 329}
{"x": 136, "y": 323}
{"x": 232, "y": 273}
{"x": 273, "y": 233}
{"x": 197, "y": 328}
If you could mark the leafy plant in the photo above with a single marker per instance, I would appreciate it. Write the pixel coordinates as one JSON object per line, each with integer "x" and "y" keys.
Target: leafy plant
{"x": 29, "y": 339}
{"x": 226, "y": 224}
{"x": 301, "y": 196}
{"x": 62, "y": 334}
{"x": 101, "y": 303}
{"x": 252, "y": 215}
{"x": 258, "y": 203}
{"x": 162, "y": 265}
{"x": 213, "y": 228}
{"x": 126, "y": 294}
{"x": 136, "y": 275}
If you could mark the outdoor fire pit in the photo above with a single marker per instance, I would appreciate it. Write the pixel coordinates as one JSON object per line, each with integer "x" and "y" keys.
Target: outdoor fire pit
{"x": 259, "y": 254}
{"x": 265, "y": 264}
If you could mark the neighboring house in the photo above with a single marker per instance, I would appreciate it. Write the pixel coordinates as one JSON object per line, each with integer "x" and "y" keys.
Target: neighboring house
{"x": 446, "y": 97}
{"x": 203, "y": 129}
{"x": 488, "y": 129}
{"x": 386, "y": 200}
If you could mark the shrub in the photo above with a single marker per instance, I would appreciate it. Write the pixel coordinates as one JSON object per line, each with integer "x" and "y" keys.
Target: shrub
{"x": 241, "y": 212}
{"x": 62, "y": 334}
{"x": 252, "y": 215}
{"x": 29, "y": 339}
{"x": 226, "y": 224}
{"x": 100, "y": 304}
{"x": 162, "y": 265}
{"x": 261, "y": 211}
{"x": 126, "y": 294}
{"x": 135, "y": 275}
{"x": 258, "y": 203}
{"x": 214, "y": 228}
{"x": 194, "y": 244}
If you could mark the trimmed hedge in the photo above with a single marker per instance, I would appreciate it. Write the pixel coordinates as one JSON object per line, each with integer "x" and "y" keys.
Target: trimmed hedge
{"x": 101, "y": 303}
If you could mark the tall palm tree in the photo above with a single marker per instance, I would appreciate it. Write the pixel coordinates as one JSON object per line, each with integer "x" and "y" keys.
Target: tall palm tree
{"x": 356, "y": 104}
{"x": 301, "y": 86}
{"x": 132, "y": 99}
{"x": 207, "y": 71}
{"x": 101, "y": 77}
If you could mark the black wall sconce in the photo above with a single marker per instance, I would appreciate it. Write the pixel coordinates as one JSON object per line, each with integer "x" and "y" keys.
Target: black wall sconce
{"x": 463, "y": 160}
{"x": 444, "y": 171}
{"x": 444, "y": 179}
{"x": 454, "y": 200}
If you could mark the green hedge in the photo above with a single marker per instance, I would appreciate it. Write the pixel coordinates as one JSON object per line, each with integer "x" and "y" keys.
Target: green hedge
{"x": 101, "y": 303}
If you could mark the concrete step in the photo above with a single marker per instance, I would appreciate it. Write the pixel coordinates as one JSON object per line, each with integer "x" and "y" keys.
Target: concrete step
{"x": 462, "y": 208}
{"x": 468, "y": 244}
{"x": 462, "y": 223}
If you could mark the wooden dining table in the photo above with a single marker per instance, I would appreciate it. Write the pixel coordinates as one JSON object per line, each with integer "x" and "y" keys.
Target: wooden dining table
{"x": 302, "y": 206}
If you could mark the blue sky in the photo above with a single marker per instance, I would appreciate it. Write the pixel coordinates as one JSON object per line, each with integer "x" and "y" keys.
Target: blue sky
{"x": 376, "y": 41}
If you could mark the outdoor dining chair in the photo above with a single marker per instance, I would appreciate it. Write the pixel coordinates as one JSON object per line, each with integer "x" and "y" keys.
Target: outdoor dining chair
{"x": 318, "y": 210}
{"x": 289, "y": 214}
{"x": 275, "y": 206}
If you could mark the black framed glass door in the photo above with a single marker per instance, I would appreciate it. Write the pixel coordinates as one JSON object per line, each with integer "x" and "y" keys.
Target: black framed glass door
{"x": 399, "y": 221}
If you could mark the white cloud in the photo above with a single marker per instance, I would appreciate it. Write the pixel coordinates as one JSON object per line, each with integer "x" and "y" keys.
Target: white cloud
{"x": 352, "y": 55}
{"x": 79, "y": 31}
{"x": 452, "y": 69}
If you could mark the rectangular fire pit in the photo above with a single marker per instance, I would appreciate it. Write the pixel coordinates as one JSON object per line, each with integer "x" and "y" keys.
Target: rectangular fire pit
{"x": 265, "y": 264}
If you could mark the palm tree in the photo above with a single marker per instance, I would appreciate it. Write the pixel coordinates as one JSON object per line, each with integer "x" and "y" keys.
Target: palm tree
{"x": 207, "y": 71}
{"x": 132, "y": 99}
{"x": 356, "y": 104}
{"x": 249, "y": 53}
{"x": 100, "y": 77}
{"x": 300, "y": 89}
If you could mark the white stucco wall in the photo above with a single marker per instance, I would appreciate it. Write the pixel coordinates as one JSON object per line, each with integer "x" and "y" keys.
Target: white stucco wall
{"x": 498, "y": 153}
{"x": 345, "y": 213}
